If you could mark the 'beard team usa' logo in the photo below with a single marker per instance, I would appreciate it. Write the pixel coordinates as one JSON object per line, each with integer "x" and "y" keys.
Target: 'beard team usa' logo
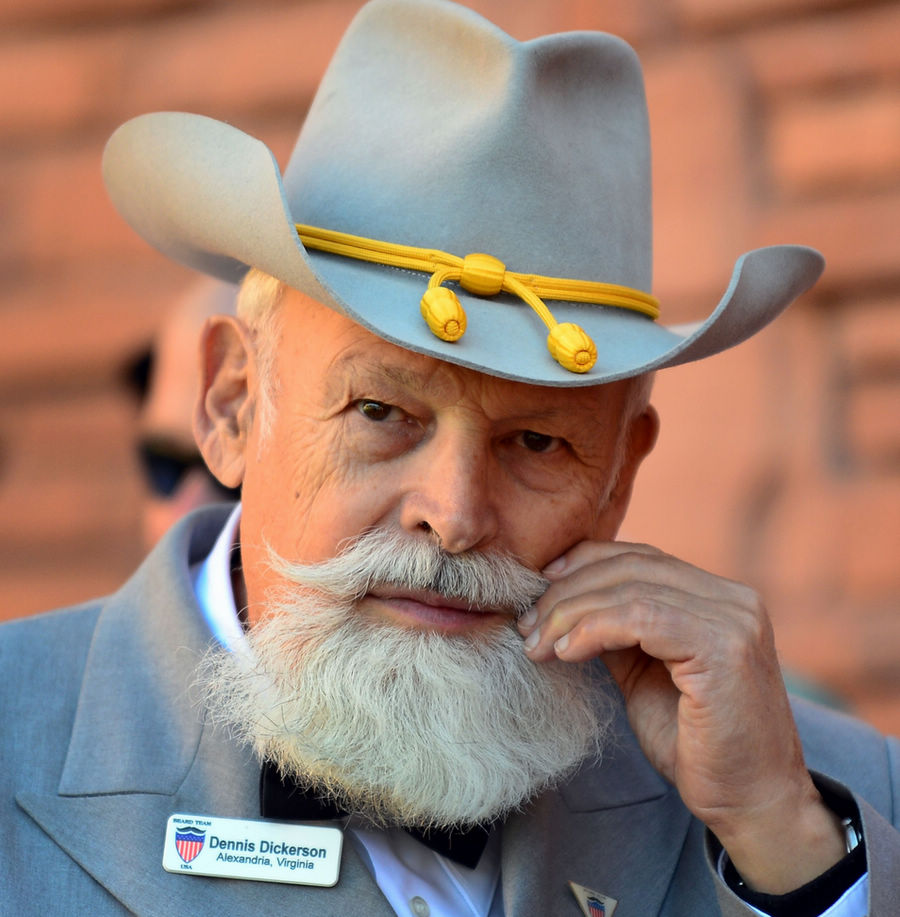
{"x": 597, "y": 908}
{"x": 189, "y": 842}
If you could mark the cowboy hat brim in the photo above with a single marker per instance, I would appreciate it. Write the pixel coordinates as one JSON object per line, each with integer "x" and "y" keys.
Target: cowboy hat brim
{"x": 212, "y": 197}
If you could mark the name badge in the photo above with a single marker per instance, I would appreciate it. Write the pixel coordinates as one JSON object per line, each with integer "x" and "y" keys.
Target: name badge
{"x": 264, "y": 851}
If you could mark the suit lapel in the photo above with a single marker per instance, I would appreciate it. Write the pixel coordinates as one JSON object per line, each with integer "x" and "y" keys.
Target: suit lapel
{"x": 118, "y": 839}
{"x": 617, "y": 829}
{"x": 139, "y": 752}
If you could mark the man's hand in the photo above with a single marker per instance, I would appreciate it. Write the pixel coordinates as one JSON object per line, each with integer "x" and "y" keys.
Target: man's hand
{"x": 694, "y": 657}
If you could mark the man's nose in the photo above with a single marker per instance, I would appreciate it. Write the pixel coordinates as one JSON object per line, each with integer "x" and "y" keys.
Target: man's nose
{"x": 451, "y": 495}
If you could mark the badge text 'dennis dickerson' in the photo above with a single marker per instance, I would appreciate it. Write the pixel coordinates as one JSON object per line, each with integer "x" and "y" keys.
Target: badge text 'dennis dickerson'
{"x": 255, "y": 850}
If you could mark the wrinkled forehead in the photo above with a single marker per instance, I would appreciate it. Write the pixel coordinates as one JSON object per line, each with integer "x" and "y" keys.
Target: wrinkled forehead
{"x": 397, "y": 373}
{"x": 334, "y": 355}
{"x": 426, "y": 388}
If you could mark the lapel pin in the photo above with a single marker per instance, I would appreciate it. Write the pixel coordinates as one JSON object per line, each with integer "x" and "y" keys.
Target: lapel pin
{"x": 592, "y": 903}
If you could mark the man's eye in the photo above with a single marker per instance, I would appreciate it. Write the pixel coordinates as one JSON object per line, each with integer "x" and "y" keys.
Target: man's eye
{"x": 539, "y": 442}
{"x": 375, "y": 410}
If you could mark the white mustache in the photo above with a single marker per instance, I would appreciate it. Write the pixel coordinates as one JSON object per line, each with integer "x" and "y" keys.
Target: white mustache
{"x": 382, "y": 558}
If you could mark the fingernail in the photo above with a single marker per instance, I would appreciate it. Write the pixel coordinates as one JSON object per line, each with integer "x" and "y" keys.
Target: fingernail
{"x": 528, "y": 620}
{"x": 532, "y": 640}
{"x": 555, "y": 566}
{"x": 561, "y": 644}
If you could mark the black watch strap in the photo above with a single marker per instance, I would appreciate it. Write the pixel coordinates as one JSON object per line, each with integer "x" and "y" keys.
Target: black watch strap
{"x": 810, "y": 900}
{"x": 814, "y": 898}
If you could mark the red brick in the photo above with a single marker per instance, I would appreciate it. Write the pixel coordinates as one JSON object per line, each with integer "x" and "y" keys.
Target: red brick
{"x": 795, "y": 544}
{"x": 717, "y": 14}
{"x": 826, "y": 529}
{"x": 873, "y": 438}
{"x": 813, "y": 642}
{"x": 845, "y": 139}
{"x": 240, "y": 60}
{"x": 237, "y": 58}
{"x": 867, "y": 685}
{"x": 633, "y": 20}
{"x": 882, "y": 711}
{"x": 700, "y": 181}
{"x": 55, "y": 82}
{"x": 881, "y": 635}
{"x": 849, "y": 47}
{"x": 869, "y": 333}
{"x": 68, "y": 497}
{"x": 690, "y": 496}
{"x": 76, "y": 328}
{"x": 28, "y": 589}
{"x": 69, "y": 11}
{"x": 857, "y": 235}
{"x": 867, "y": 519}
{"x": 60, "y": 439}
{"x": 866, "y": 343}
{"x": 60, "y": 208}
{"x": 858, "y": 662}
{"x": 58, "y": 509}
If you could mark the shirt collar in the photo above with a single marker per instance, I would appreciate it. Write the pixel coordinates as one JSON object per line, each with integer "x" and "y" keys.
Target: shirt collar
{"x": 212, "y": 586}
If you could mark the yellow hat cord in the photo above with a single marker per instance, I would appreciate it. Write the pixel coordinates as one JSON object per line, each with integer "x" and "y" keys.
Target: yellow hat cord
{"x": 484, "y": 275}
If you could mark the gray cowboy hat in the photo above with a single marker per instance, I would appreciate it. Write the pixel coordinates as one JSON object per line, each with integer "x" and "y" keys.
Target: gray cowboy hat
{"x": 433, "y": 128}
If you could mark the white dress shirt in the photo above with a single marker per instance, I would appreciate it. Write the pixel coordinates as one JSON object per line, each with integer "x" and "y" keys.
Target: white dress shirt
{"x": 416, "y": 881}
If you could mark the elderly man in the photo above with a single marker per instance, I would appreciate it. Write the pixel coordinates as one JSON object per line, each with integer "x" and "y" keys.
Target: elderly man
{"x": 414, "y": 673}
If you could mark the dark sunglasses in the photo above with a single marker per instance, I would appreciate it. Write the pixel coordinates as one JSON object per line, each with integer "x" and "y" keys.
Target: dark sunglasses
{"x": 164, "y": 467}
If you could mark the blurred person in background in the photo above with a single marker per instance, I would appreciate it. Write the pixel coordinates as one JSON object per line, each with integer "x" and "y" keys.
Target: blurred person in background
{"x": 176, "y": 479}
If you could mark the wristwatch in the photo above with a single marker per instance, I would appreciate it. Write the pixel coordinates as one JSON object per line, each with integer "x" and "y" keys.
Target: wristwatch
{"x": 852, "y": 834}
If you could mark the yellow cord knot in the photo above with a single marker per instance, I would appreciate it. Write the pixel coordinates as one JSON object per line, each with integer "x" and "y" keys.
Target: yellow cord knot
{"x": 485, "y": 275}
{"x": 444, "y": 314}
{"x": 571, "y": 347}
{"x": 482, "y": 275}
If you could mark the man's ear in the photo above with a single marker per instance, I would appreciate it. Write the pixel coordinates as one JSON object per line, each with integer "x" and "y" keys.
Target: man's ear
{"x": 640, "y": 439}
{"x": 225, "y": 406}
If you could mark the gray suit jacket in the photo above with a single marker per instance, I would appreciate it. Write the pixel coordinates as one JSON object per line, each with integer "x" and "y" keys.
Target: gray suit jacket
{"x": 101, "y": 740}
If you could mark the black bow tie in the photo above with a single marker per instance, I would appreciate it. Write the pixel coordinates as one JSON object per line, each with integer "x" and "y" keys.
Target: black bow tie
{"x": 284, "y": 800}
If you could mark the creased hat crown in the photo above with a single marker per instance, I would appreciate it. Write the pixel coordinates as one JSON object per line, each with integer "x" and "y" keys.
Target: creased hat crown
{"x": 491, "y": 145}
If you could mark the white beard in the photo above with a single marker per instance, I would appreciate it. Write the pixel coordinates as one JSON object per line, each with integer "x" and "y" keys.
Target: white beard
{"x": 405, "y": 726}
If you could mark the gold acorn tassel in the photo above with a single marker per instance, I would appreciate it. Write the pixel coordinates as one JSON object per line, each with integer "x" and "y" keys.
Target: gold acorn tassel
{"x": 571, "y": 347}
{"x": 442, "y": 310}
{"x": 569, "y": 344}
{"x": 483, "y": 275}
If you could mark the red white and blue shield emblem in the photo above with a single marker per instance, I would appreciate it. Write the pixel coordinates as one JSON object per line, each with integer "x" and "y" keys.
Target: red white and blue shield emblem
{"x": 189, "y": 842}
{"x": 596, "y": 907}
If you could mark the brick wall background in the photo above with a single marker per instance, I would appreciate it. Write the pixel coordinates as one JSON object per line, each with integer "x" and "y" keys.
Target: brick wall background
{"x": 773, "y": 121}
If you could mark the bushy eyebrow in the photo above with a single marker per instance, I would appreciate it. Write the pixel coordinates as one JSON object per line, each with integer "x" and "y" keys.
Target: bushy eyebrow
{"x": 353, "y": 367}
